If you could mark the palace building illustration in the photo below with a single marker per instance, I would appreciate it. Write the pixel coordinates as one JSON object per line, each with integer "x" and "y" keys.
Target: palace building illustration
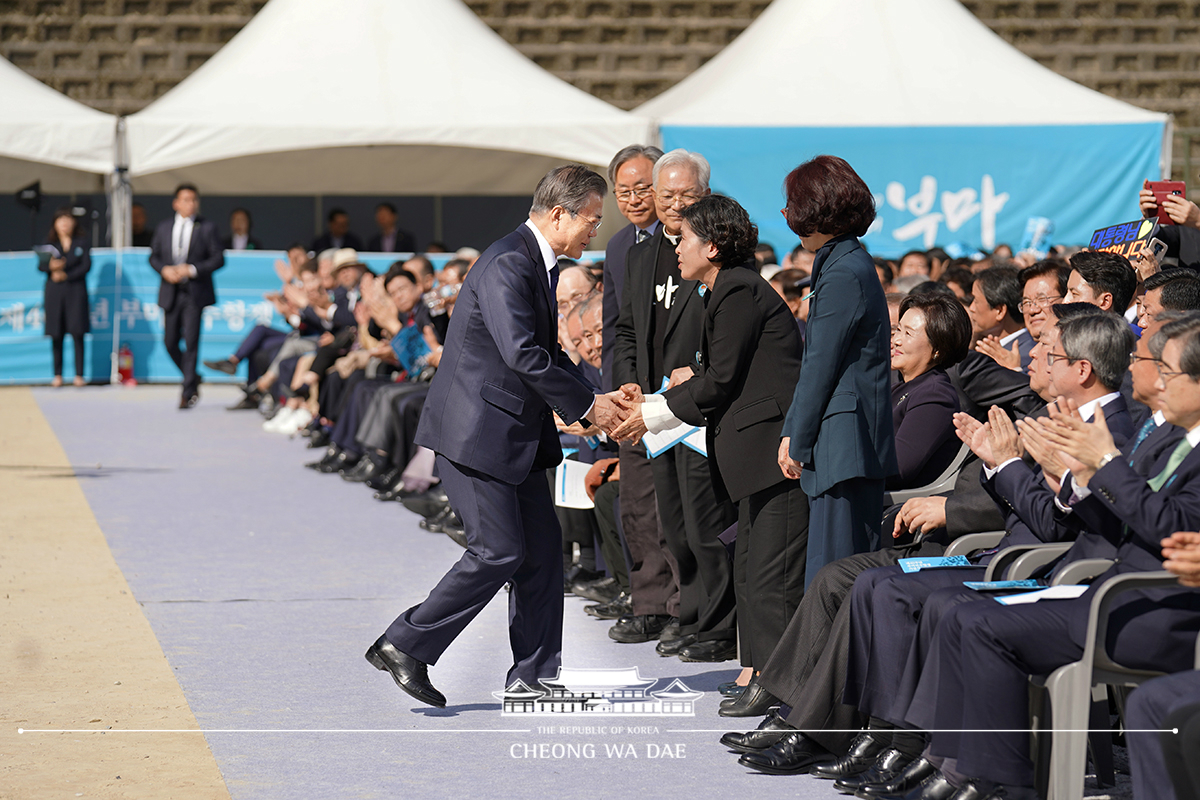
{"x": 599, "y": 692}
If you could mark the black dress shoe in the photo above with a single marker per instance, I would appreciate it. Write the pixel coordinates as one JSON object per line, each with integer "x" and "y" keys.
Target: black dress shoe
{"x": 768, "y": 734}
{"x": 639, "y": 628}
{"x": 935, "y": 787}
{"x": 319, "y": 438}
{"x": 904, "y": 781}
{"x": 189, "y": 400}
{"x": 793, "y": 754}
{"x": 712, "y": 651}
{"x": 427, "y": 503}
{"x": 731, "y": 689}
{"x": 754, "y": 702}
{"x": 671, "y": 647}
{"x": 380, "y": 481}
{"x": 671, "y": 631}
{"x": 579, "y": 574}
{"x": 620, "y": 607}
{"x": 409, "y": 674}
{"x": 600, "y": 590}
{"x": 862, "y": 754}
{"x": 887, "y": 766}
{"x": 249, "y": 402}
{"x": 342, "y": 460}
{"x": 330, "y": 454}
{"x": 365, "y": 469}
{"x": 224, "y": 365}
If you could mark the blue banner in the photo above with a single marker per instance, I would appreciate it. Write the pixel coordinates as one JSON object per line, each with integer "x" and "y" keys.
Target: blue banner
{"x": 937, "y": 186}
{"x": 124, "y": 309}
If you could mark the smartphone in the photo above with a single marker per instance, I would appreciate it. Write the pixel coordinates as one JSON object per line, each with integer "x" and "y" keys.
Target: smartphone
{"x": 1162, "y": 190}
{"x": 1157, "y": 248}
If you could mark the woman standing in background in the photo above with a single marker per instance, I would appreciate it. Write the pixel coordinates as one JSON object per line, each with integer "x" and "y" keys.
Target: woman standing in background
{"x": 66, "y": 298}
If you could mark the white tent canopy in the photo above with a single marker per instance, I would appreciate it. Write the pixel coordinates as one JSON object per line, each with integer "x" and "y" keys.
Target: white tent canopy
{"x": 879, "y": 62}
{"x": 370, "y": 97}
{"x": 46, "y": 136}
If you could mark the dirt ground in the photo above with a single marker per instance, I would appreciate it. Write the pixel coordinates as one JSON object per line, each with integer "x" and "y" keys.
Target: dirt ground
{"x": 76, "y": 652}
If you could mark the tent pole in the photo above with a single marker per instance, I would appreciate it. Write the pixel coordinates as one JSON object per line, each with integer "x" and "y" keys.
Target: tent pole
{"x": 120, "y": 208}
{"x": 318, "y": 213}
{"x": 1168, "y": 147}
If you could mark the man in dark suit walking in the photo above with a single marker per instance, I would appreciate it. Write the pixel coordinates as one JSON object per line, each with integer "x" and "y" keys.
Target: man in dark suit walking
{"x": 488, "y": 418}
{"x": 185, "y": 251}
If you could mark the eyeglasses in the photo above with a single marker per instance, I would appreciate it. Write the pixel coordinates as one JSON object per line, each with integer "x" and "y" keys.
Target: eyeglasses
{"x": 640, "y": 192}
{"x": 1135, "y": 357}
{"x": 684, "y": 200}
{"x": 595, "y": 222}
{"x": 1028, "y": 305}
{"x": 1166, "y": 374}
{"x": 1052, "y": 356}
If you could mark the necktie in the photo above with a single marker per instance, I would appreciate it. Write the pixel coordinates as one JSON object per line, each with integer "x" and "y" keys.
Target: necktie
{"x": 180, "y": 253}
{"x": 1177, "y": 455}
{"x": 554, "y": 286}
{"x": 642, "y": 235}
{"x": 1147, "y": 428}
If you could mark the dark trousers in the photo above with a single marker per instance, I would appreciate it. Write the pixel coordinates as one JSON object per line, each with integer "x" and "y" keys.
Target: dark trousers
{"x": 608, "y": 515}
{"x": 182, "y": 322}
{"x": 512, "y": 535}
{"x": 1156, "y": 760}
{"x": 406, "y": 415}
{"x": 692, "y": 519}
{"x": 807, "y": 671}
{"x": 844, "y": 521}
{"x": 768, "y": 567}
{"x": 56, "y": 349}
{"x": 887, "y": 606}
{"x": 653, "y": 574}
{"x": 345, "y": 432}
{"x": 260, "y": 337}
{"x": 977, "y": 675}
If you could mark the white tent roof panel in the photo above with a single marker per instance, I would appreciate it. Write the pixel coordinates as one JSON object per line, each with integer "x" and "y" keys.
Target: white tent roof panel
{"x": 47, "y": 136}
{"x": 895, "y": 63}
{"x": 316, "y": 75}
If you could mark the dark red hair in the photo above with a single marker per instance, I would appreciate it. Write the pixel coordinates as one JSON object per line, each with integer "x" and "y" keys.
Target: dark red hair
{"x": 825, "y": 195}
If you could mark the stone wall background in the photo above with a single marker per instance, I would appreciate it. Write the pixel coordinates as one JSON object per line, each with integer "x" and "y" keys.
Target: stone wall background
{"x": 118, "y": 55}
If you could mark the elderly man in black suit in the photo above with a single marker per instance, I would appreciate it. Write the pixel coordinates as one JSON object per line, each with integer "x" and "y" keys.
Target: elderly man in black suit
{"x": 979, "y": 645}
{"x": 658, "y": 332}
{"x": 489, "y": 419}
{"x": 185, "y": 251}
{"x": 653, "y": 583}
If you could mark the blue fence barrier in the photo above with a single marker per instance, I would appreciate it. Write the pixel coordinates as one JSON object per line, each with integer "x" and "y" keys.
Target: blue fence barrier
{"x": 124, "y": 309}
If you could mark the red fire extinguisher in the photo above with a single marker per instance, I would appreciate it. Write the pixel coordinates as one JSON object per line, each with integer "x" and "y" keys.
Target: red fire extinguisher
{"x": 125, "y": 365}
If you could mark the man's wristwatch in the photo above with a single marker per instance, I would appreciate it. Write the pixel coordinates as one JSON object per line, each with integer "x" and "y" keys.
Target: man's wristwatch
{"x": 1107, "y": 457}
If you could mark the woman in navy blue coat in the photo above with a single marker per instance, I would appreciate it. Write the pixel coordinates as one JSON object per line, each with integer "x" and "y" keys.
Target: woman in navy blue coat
{"x": 66, "y": 298}
{"x": 838, "y": 438}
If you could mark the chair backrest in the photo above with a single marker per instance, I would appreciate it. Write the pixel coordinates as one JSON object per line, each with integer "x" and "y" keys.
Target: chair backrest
{"x": 943, "y": 483}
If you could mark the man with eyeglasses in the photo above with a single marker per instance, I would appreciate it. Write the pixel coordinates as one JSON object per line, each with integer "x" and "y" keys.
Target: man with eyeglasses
{"x": 658, "y": 338}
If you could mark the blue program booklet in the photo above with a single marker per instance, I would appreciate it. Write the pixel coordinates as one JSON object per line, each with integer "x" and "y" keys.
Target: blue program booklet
{"x": 1000, "y": 586}
{"x": 918, "y": 564}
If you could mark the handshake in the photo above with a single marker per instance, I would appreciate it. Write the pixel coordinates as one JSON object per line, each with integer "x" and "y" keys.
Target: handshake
{"x": 619, "y": 413}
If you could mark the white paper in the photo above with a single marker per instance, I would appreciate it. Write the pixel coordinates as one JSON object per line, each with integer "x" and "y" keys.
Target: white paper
{"x": 1051, "y": 593}
{"x": 569, "y": 489}
{"x": 659, "y": 443}
{"x": 698, "y": 441}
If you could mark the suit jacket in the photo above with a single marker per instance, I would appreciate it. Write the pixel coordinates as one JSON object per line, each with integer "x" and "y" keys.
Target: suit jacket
{"x": 1025, "y": 344}
{"x": 982, "y": 383}
{"x": 840, "y": 419}
{"x": 1031, "y": 514}
{"x": 685, "y": 322}
{"x": 923, "y": 416}
{"x": 205, "y": 253}
{"x": 405, "y": 243}
{"x": 749, "y": 365}
{"x": 614, "y": 284}
{"x": 325, "y": 241}
{"x": 502, "y": 371}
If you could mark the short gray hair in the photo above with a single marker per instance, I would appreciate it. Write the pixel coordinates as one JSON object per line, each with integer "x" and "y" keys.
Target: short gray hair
{"x": 1187, "y": 330}
{"x": 1157, "y": 343}
{"x": 682, "y": 158}
{"x": 1103, "y": 340}
{"x": 593, "y": 300}
{"x": 628, "y": 154}
{"x": 571, "y": 186}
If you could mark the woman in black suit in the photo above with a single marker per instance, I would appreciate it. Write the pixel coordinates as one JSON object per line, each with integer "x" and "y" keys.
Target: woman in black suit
{"x": 934, "y": 333}
{"x": 66, "y": 298}
{"x": 748, "y": 367}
